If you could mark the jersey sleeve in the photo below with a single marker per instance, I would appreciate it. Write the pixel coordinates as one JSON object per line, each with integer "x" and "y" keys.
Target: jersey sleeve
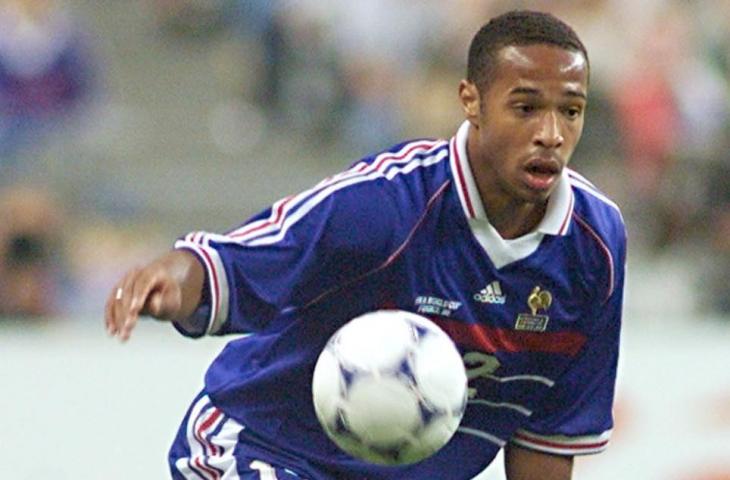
{"x": 576, "y": 416}
{"x": 298, "y": 250}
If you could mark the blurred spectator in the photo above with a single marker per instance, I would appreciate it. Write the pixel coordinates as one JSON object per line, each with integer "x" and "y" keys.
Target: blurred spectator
{"x": 381, "y": 44}
{"x": 261, "y": 29}
{"x": 648, "y": 112}
{"x": 31, "y": 254}
{"x": 672, "y": 107}
{"x": 46, "y": 72}
{"x": 715, "y": 278}
{"x": 713, "y": 143}
{"x": 312, "y": 95}
{"x": 192, "y": 18}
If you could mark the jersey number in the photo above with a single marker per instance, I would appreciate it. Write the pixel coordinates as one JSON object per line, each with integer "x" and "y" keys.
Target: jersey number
{"x": 479, "y": 365}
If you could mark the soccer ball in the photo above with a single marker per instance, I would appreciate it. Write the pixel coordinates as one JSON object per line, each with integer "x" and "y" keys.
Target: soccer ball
{"x": 390, "y": 387}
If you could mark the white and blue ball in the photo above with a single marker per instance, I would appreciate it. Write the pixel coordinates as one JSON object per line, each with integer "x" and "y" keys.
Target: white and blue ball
{"x": 390, "y": 387}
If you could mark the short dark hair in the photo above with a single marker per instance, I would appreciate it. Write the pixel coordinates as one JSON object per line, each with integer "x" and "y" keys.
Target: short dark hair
{"x": 519, "y": 28}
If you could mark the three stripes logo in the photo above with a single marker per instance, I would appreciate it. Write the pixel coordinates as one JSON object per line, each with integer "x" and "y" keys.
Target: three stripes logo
{"x": 492, "y": 293}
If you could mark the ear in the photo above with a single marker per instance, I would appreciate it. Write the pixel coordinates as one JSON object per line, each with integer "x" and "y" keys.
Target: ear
{"x": 469, "y": 96}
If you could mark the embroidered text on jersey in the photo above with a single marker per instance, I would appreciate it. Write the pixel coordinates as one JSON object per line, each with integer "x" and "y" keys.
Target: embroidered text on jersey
{"x": 436, "y": 306}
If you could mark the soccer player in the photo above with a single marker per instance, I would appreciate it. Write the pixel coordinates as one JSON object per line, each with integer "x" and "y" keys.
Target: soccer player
{"x": 490, "y": 234}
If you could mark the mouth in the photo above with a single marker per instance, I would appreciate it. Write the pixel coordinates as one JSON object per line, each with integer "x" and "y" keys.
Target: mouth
{"x": 542, "y": 172}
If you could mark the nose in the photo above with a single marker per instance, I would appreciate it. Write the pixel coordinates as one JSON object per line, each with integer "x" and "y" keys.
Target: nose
{"x": 549, "y": 133}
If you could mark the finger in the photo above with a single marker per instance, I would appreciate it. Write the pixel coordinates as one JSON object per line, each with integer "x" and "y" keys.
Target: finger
{"x": 114, "y": 306}
{"x": 122, "y": 301}
{"x": 150, "y": 284}
{"x": 108, "y": 310}
{"x": 136, "y": 295}
{"x": 128, "y": 324}
{"x": 138, "y": 292}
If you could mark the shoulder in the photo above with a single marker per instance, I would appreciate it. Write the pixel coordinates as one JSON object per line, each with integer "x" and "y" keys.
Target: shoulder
{"x": 596, "y": 212}
{"x": 374, "y": 205}
{"x": 599, "y": 232}
{"x": 370, "y": 202}
{"x": 403, "y": 177}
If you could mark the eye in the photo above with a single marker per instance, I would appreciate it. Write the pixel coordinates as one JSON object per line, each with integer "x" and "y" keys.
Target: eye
{"x": 572, "y": 112}
{"x": 524, "y": 108}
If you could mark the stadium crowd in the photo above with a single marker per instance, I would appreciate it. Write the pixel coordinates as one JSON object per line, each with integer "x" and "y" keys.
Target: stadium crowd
{"x": 95, "y": 97}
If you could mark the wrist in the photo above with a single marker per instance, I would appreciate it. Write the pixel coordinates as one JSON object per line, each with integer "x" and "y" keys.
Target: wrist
{"x": 187, "y": 270}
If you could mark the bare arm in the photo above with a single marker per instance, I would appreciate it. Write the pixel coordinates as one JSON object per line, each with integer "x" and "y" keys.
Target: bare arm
{"x": 523, "y": 464}
{"x": 169, "y": 288}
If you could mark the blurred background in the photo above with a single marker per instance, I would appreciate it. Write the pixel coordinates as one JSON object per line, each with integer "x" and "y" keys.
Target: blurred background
{"x": 125, "y": 124}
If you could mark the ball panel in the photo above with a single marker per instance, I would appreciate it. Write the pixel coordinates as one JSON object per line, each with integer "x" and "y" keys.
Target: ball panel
{"x": 327, "y": 386}
{"x": 383, "y": 410}
{"x": 439, "y": 372}
{"x": 430, "y": 439}
{"x": 373, "y": 341}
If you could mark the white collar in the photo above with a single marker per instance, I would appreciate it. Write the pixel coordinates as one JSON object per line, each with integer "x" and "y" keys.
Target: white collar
{"x": 556, "y": 221}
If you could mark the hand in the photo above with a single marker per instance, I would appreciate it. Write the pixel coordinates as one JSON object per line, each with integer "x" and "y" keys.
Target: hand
{"x": 166, "y": 289}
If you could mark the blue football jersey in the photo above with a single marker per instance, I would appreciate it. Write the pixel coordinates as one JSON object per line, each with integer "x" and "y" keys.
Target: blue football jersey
{"x": 536, "y": 318}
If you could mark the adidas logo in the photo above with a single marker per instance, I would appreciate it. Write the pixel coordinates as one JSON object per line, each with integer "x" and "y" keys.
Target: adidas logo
{"x": 492, "y": 293}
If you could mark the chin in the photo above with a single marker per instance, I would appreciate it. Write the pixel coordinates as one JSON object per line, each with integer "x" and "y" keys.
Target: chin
{"x": 536, "y": 196}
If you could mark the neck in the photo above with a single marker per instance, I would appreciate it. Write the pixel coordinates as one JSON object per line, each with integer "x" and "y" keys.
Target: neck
{"x": 511, "y": 219}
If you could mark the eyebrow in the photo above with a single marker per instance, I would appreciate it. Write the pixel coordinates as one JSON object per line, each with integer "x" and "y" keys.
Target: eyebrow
{"x": 535, "y": 91}
{"x": 575, "y": 93}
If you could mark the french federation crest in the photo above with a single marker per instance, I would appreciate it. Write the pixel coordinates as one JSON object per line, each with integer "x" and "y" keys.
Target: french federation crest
{"x": 534, "y": 321}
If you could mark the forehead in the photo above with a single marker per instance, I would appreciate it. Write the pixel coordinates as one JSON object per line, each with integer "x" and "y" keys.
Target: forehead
{"x": 541, "y": 66}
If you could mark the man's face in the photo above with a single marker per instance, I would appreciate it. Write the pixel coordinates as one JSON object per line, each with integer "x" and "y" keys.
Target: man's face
{"x": 527, "y": 122}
